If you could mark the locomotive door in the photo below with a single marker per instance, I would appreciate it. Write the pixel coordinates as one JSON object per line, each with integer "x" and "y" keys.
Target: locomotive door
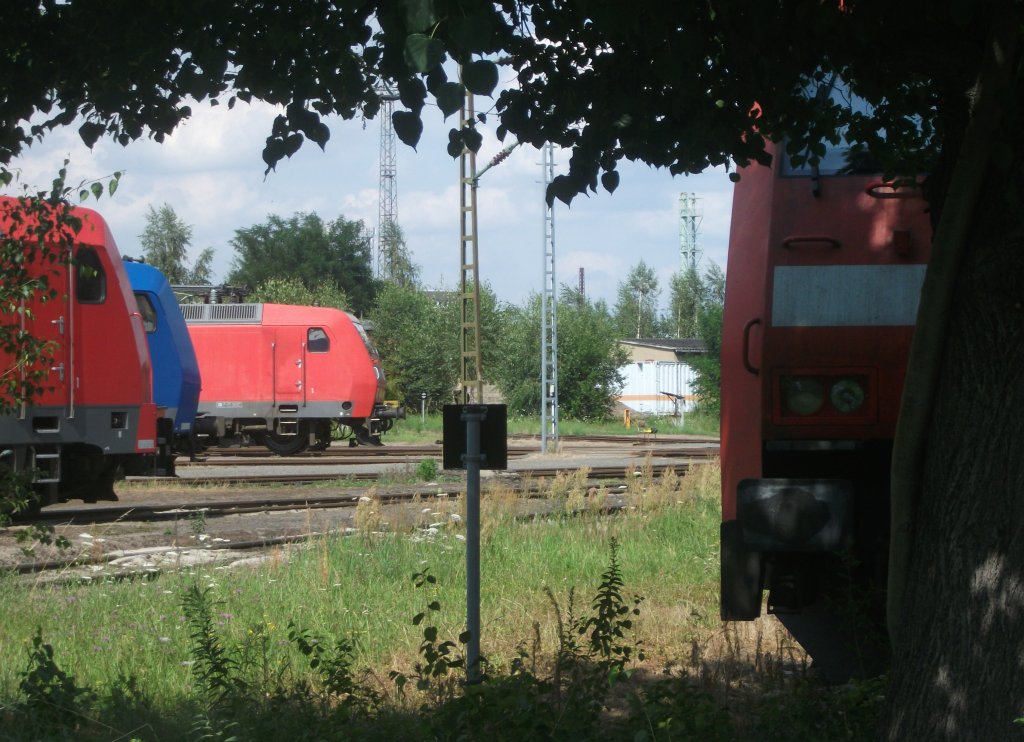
{"x": 53, "y": 322}
{"x": 289, "y": 364}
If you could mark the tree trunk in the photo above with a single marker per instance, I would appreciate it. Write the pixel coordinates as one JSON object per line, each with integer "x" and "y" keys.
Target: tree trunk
{"x": 958, "y": 664}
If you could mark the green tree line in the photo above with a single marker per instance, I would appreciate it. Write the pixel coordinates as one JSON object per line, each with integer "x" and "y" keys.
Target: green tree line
{"x": 306, "y": 261}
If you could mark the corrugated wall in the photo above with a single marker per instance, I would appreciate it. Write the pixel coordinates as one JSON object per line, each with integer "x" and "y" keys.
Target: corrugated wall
{"x": 646, "y": 381}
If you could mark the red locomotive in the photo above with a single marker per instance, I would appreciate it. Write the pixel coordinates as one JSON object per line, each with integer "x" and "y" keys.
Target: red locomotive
{"x": 94, "y": 417}
{"x": 824, "y": 276}
{"x": 282, "y": 376}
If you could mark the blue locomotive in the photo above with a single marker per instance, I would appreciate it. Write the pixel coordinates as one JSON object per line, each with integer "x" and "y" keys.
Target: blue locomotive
{"x": 176, "y": 379}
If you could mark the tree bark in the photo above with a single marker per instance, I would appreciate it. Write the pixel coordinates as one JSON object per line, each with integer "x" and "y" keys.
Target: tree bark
{"x": 956, "y": 593}
{"x": 958, "y": 669}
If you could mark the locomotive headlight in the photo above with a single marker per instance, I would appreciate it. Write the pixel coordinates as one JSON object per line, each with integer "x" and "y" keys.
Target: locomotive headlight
{"x": 847, "y": 395}
{"x": 803, "y": 395}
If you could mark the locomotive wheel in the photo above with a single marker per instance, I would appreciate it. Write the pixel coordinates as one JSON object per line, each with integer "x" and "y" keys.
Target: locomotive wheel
{"x": 288, "y": 445}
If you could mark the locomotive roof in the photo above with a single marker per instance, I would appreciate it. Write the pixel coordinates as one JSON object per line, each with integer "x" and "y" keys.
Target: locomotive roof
{"x": 256, "y": 314}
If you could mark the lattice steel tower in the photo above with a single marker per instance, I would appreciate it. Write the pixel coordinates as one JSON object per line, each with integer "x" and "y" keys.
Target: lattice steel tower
{"x": 690, "y": 218}
{"x": 472, "y": 373}
{"x": 387, "y": 199}
{"x": 549, "y": 315}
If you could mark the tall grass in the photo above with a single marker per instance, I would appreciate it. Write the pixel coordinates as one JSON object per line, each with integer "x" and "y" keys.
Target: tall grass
{"x": 359, "y": 586}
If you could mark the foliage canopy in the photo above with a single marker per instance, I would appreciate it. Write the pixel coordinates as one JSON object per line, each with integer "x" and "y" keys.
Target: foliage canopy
{"x": 165, "y": 242}
{"x": 305, "y": 248}
{"x": 589, "y": 358}
{"x": 127, "y": 70}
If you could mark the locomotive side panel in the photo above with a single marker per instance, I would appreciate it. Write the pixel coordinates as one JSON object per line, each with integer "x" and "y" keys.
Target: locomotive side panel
{"x": 235, "y": 365}
{"x": 281, "y": 375}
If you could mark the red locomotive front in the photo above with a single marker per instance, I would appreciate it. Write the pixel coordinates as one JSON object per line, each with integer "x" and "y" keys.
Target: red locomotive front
{"x": 94, "y": 413}
{"x": 824, "y": 275}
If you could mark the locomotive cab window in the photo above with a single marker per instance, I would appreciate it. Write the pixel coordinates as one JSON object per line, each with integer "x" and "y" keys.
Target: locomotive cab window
{"x": 148, "y": 313}
{"x": 317, "y": 340}
{"x": 90, "y": 278}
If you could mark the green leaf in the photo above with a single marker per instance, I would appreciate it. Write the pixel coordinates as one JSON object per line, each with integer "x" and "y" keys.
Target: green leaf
{"x": 97, "y": 189}
{"x": 419, "y": 14}
{"x": 610, "y": 181}
{"x": 423, "y": 53}
{"x": 473, "y": 139}
{"x": 450, "y": 97}
{"x": 412, "y": 92}
{"x": 112, "y": 187}
{"x": 473, "y": 32}
{"x": 90, "y": 131}
{"x": 480, "y": 77}
{"x": 430, "y": 633}
{"x": 409, "y": 128}
{"x": 456, "y": 146}
{"x": 436, "y": 78}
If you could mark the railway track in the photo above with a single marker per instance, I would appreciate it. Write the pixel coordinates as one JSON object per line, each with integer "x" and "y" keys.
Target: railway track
{"x": 225, "y": 457}
{"x": 528, "y": 483}
{"x": 263, "y": 517}
{"x": 373, "y": 454}
{"x": 310, "y": 476}
{"x": 212, "y": 509}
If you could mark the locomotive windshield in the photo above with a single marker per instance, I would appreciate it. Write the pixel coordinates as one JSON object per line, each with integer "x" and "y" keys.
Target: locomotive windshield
{"x": 366, "y": 338}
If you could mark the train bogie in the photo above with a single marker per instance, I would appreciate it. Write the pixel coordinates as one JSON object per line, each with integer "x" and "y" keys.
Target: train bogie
{"x": 94, "y": 415}
{"x": 282, "y": 375}
{"x": 824, "y": 275}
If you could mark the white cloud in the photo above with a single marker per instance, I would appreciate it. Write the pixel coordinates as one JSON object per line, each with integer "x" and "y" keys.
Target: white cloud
{"x": 212, "y": 174}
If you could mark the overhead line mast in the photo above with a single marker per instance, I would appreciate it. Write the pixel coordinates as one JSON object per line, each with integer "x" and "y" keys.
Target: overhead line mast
{"x": 549, "y": 315}
{"x": 690, "y": 218}
{"x": 471, "y": 378}
{"x": 387, "y": 192}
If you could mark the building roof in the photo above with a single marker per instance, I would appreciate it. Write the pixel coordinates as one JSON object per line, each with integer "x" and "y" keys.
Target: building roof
{"x": 676, "y": 345}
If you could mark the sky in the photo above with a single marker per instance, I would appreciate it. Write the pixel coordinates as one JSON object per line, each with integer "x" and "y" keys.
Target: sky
{"x": 210, "y": 171}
